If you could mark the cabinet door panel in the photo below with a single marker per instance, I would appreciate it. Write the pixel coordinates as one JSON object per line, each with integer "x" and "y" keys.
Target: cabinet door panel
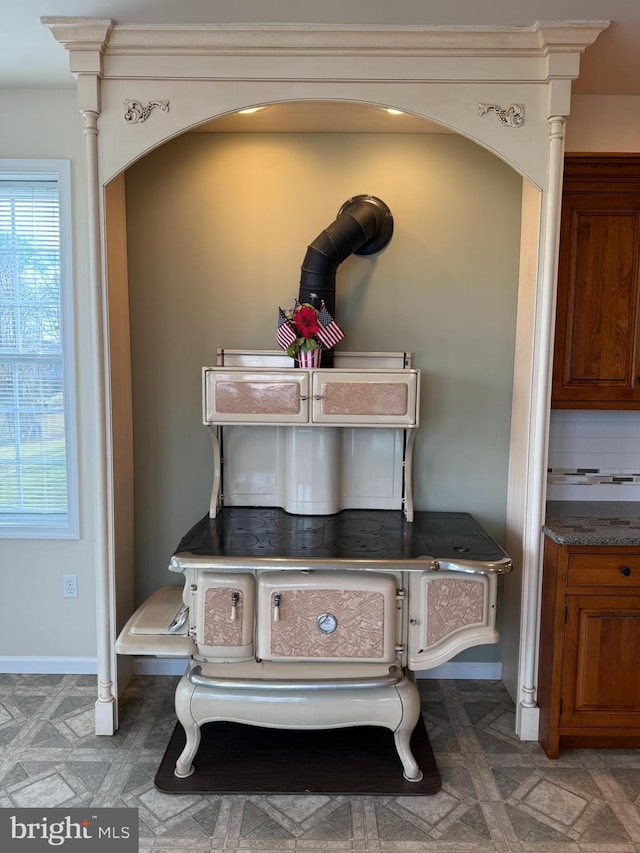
{"x": 601, "y": 683}
{"x": 240, "y": 396}
{"x": 221, "y": 618}
{"x": 365, "y": 398}
{"x": 604, "y": 294}
{"x": 596, "y": 357}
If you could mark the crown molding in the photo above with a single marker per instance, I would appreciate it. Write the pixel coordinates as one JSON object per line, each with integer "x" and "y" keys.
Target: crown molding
{"x": 354, "y": 39}
{"x": 80, "y": 33}
{"x": 324, "y": 39}
{"x": 539, "y": 53}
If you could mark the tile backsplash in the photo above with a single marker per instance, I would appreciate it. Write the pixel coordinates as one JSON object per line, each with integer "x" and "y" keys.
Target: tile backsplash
{"x": 594, "y": 456}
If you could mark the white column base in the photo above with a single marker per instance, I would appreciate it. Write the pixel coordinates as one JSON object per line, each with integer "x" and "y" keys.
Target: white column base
{"x": 106, "y": 723}
{"x": 527, "y": 722}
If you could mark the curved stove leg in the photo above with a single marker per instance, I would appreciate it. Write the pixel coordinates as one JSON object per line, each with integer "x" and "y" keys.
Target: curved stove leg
{"x": 184, "y": 765}
{"x": 410, "y": 698}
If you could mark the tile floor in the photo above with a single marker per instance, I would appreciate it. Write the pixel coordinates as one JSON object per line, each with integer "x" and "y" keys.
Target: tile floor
{"x": 498, "y": 794}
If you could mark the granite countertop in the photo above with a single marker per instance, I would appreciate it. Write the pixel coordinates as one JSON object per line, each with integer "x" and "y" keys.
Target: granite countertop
{"x": 593, "y": 522}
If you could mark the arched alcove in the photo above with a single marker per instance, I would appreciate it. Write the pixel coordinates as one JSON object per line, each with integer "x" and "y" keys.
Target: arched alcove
{"x": 218, "y": 224}
{"x": 508, "y": 90}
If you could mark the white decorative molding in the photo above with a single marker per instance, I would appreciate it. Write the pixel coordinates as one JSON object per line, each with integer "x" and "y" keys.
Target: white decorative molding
{"x": 105, "y": 707}
{"x": 304, "y": 39}
{"x": 537, "y": 450}
{"x": 135, "y": 111}
{"x": 511, "y": 116}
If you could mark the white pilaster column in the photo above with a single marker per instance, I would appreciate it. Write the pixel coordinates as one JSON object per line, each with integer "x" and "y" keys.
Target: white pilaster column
{"x": 105, "y": 708}
{"x": 85, "y": 40}
{"x": 527, "y": 715}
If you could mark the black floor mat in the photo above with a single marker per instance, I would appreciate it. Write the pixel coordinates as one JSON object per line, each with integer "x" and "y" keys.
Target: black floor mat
{"x": 234, "y": 758}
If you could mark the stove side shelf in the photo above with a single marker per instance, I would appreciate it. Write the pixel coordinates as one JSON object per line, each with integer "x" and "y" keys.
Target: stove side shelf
{"x": 156, "y": 628}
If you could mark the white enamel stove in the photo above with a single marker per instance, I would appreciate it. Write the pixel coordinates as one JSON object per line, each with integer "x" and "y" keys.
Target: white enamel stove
{"x": 315, "y": 620}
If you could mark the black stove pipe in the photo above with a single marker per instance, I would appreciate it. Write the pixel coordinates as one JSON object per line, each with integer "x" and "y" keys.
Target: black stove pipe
{"x": 364, "y": 226}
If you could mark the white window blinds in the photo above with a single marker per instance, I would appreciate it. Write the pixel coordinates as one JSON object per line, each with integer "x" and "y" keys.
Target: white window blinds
{"x": 34, "y": 457}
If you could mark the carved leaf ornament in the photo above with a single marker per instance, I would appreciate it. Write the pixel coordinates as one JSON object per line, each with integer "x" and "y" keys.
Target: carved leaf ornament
{"x": 511, "y": 116}
{"x": 136, "y": 112}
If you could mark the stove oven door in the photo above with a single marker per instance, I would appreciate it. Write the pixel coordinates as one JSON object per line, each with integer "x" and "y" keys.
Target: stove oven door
{"x": 327, "y": 616}
{"x": 222, "y": 615}
{"x": 449, "y": 611}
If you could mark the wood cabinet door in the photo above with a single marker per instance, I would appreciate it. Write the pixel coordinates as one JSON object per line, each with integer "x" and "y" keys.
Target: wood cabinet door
{"x": 597, "y": 362}
{"x": 601, "y": 674}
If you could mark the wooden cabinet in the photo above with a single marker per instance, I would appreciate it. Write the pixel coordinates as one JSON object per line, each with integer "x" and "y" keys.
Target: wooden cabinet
{"x": 589, "y": 672}
{"x": 597, "y": 357}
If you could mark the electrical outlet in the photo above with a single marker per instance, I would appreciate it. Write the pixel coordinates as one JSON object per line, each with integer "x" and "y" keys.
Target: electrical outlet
{"x": 69, "y": 586}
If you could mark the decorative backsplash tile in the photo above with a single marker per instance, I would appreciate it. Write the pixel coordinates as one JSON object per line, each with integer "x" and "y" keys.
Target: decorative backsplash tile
{"x": 594, "y": 456}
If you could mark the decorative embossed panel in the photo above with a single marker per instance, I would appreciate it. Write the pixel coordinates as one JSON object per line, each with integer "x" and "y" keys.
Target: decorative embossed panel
{"x": 449, "y": 610}
{"x": 359, "y": 632}
{"x": 219, "y": 628}
{"x": 451, "y": 605}
{"x": 234, "y": 395}
{"x": 364, "y": 398}
{"x": 255, "y": 398}
{"x": 222, "y": 615}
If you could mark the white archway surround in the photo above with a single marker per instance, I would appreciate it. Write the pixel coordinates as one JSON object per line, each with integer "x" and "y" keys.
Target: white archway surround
{"x": 508, "y": 89}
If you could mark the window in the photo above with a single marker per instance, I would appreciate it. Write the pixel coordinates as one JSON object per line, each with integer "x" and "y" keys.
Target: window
{"x": 38, "y": 494}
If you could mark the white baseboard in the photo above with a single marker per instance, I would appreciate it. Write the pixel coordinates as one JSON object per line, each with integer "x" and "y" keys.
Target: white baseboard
{"x": 27, "y": 665}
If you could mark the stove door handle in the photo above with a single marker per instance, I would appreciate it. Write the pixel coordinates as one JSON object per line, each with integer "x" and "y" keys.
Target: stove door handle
{"x": 276, "y": 606}
{"x": 235, "y": 598}
{"x": 179, "y": 619}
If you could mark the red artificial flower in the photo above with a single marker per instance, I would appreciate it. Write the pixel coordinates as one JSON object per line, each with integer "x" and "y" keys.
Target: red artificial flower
{"x": 306, "y": 321}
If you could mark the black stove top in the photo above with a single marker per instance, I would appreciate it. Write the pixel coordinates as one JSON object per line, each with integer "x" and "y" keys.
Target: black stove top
{"x": 350, "y": 534}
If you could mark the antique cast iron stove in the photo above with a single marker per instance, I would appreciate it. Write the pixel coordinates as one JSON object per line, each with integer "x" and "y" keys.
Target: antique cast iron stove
{"x": 312, "y": 590}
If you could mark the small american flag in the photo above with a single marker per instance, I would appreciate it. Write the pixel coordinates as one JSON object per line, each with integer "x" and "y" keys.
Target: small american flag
{"x": 285, "y": 334}
{"x": 330, "y": 332}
